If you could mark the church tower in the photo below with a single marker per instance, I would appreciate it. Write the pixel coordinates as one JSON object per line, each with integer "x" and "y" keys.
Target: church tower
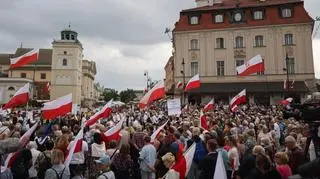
{"x": 66, "y": 72}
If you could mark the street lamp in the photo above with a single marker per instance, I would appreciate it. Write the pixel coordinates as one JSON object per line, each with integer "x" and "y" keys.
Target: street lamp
{"x": 146, "y": 74}
{"x": 184, "y": 80}
{"x": 287, "y": 70}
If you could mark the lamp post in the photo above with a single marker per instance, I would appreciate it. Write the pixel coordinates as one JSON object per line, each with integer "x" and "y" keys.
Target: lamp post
{"x": 184, "y": 81}
{"x": 146, "y": 74}
{"x": 287, "y": 71}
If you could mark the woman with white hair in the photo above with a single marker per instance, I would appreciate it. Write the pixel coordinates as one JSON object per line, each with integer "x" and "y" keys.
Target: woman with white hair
{"x": 32, "y": 146}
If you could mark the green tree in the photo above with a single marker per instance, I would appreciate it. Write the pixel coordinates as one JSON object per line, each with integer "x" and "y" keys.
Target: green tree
{"x": 127, "y": 95}
{"x": 109, "y": 94}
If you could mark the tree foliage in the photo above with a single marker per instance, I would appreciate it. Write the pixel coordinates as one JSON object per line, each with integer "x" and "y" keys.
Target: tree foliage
{"x": 127, "y": 95}
{"x": 109, "y": 94}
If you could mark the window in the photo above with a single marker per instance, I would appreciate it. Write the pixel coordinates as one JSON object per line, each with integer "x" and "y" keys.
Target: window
{"x": 68, "y": 37}
{"x": 194, "y": 44}
{"x": 43, "y": 76}
{"x": 23, "y": 75}
{"x": 218, "y": 18}
{"x": 239, "y": 63}
{"x": 258, "y": 15}
{"x": 291, "y": 66}
{"x": 239, "y": 42}
{"x": 288, "y": 39}
{"x": 72, "y": 37}
{"x": 286, "y": 12}
{"x": 11, "y": 88}
{"x": 64, "y": 62}
{"x": 259, "y": 41}
{"x": 194, "y": 68}
{"x": 65, "y": 52}
{"x": 194, "y": 20}
{"x": 220, "y": 68}
{"x": 219, "y": 43}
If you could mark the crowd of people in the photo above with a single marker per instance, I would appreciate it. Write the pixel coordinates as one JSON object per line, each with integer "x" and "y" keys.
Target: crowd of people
{"x": 254, "y": 142}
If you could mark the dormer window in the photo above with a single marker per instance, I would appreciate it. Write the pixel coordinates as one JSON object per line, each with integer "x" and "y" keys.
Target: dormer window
{"x": 238, "y": 17}
{"x": 218, "y": 18}
{"x": 286, "y": 12}
{"x": 258, "y": 15}
{"x": 194, "y": 20}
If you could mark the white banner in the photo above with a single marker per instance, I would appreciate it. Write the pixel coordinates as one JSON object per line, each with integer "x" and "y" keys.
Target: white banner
{"x": 174, "y": 106}
{"x": 1, "y": 93}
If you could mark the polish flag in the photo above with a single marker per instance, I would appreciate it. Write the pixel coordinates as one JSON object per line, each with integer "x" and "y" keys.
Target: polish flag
{"x": 47, "y": 88}
{"x": 286, "y": 102}
{"x": 179, "y": 85}
{"x": 74, "y": 147}
{"x": 20, "y": 97}
{"x": 155, "y": 134}
{"x": 209, "y": 106}
{"x": 203, "y": 121}
{"x": 193, "y": 83}
{"x": 238, "y": 99}
{"x": 181, "y": 167}
{"x": 103, "y": 113}
{"x": 220, "y": 170}
{"x": 157, "y": 92}
{"x": 254, "y": 65}
{"x": 24, "y": 59}
{"x": 58, "y": 107}
{"x": 114, "y": 132}
{"x": 24, "y": 140}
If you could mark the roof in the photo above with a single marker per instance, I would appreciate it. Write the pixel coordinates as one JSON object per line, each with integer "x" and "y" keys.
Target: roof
{"x": 251, "y": 87}
{"x": 5, "y": 58}
{"x": 45, "y": 56}
{"x": 272, "y": 17}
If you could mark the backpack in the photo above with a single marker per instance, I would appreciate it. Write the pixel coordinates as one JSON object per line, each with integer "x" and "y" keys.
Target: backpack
{"x": 199, "y": 153}
{"x": 57, "y": 174}
{"x": 44, "y": 165}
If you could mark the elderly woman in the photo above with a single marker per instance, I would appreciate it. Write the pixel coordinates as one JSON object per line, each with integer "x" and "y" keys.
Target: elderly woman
{"x": 168, "y": 161}
{"x": 58, "y": 169}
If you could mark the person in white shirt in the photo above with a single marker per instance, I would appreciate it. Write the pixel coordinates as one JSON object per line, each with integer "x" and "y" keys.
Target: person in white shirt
{"x": 35, "y": 153}
{"x": 104, "y": 165}
{"x": 234, "y": 160}
{"x": 98, "y": 148}
{"x": 78, "y": 159}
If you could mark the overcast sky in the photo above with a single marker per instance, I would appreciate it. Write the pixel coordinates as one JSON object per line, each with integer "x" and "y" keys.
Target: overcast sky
{"x": 124, "y": 37}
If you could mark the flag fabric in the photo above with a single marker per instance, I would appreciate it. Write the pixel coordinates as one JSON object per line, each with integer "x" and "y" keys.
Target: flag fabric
{"x": 74, "y": 147}
{"x": 203, "y": 121}
{"x": 47, "y": 88}
{"x": 193, "y": 83}
{"x": 103, "y": 113}
{"x": 182, "y": 166}
{"x": 58, "y": 107}
{"x": 113, "y": 133}
{"x": 179, "y": 85}
{"x": 209, "y": 106}
{"x": 235, "y": 108}
{"x": 155, "y": 133}
{"x": 220, "y": 171}
{"x": 238, "y": 99}
{"x": 253, "y": 65}
{"x": 286, "y": 102}
{"x": 19, "y": 98}
{"x": 24, "y": 59}
{"x": 157, "y": 92}
{"x": 24, "y": 140}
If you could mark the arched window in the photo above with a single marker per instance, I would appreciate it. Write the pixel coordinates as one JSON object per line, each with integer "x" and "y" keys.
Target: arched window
{"x": 64, "y": 62}
{"x": 11, "y": 88}
{"x": 239, "y": 42}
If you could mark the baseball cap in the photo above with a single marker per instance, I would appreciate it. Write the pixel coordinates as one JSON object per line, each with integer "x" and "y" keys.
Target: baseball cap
{"x": 105, "y": 160}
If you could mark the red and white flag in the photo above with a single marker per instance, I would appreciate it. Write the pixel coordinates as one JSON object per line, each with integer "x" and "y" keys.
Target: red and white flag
{"x": 157, "y": 92}
{"x": 193, "y": 83}
{"x": 114, "y": 132}
{"x": 179, "y": 85}
{"x": 209, "y": 106}
{"x": 155, "y": 133}
{"x": 74, "y": 147}
{"x": 20, "y": 97}
{"x": 181, "y": 168}
{"x": 47, "y": 88}
{"x": 287, "y": 84}
{"x": 238, "y": 99}
{"x": 24, "y": 140}
{"x": 220, "y": 170}
{"x": 58, "y": 107}
{"x": 254, "y": 65}
{"x": 24, "y": 59}
{"x": 203, "y": 121}
{"x": 287, "y": 101}
{"x": 103, "y": 113}
{"x": 234, "y": 108}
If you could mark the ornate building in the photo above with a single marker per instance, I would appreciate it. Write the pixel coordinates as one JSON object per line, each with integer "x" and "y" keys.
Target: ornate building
{"x": 219, "y": 35}
{"x": 62, "y": 67}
